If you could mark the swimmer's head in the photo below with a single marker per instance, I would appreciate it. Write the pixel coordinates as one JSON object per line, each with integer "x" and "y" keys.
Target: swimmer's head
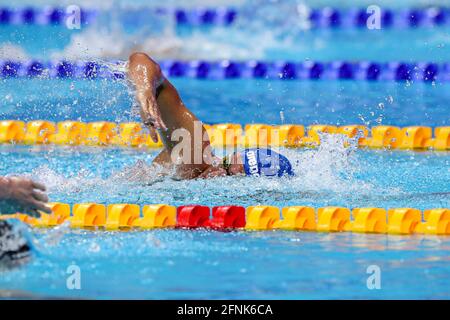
{"x": 15, "y": 248}
{"x": 258, "y": 162}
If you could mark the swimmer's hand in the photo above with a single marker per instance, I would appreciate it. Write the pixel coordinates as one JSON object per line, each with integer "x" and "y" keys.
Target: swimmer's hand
{"x": 146, "y": 76}
{"x": 25, "y": 193}
{"x": 151, "y": 116}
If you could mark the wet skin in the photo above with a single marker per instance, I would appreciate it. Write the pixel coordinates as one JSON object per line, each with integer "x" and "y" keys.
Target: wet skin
{"x": 162, "y": 110}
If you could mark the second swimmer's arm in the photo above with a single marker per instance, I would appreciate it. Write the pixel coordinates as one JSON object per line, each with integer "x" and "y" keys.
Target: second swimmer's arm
{"x": 24, "y": 193}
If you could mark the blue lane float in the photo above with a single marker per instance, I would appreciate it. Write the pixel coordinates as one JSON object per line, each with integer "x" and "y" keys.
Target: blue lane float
{"x": 41, "y": 16}
{"x": 358, "y": 17}
{"x": 58, "y": 15}
{"x": 226, "y": 69}
{"x": 326, "y": 17}
{"x": 205, "y": 16}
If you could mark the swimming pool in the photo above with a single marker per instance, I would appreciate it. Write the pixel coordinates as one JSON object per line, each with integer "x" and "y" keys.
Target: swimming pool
{"x": 209, "y": 264}
{"x": 178, "y": 264}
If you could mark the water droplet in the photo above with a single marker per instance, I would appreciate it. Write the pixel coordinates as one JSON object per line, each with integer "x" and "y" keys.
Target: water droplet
{"x": 94, "y": 247}
{"x": 390, "y": 99}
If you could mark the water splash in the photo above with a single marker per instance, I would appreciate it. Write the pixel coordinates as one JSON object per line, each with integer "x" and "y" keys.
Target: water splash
{"x": 333, "y": 166}
{"x": 9, "y": 51}
{"x": 15, "y": 244}
{"x": 56, "y": 182}
{"x": 333, "y": 173}
{"x": 56, "y": 234}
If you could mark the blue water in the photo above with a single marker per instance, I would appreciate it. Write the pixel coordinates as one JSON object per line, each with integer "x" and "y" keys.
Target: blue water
{"x": 244, "y": 101}
{"x": 206, "y": 264}
{"x": 214, "y": 265}
{"x": 200, "y": 265}
{"x": 327, "y": 176}
{"x": 236, "y": 42}
{"x": 264, "y": 29}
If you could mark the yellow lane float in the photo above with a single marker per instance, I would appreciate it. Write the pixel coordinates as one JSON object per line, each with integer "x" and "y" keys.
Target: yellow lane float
{"x": 442, "y": 138}
{"x": 69, "y": 133}
{"x": 88, "y": 215}
{"x": 60, "y": 213}
{"x": 437, "y": 221}
{"x": 100, "y": 133}
{"x": 227, "y": 134}
{"x": 12, "y": 131}
{"x": 38, "y": 132}
{"x": 130, "y": 135}
{"x": 121, "y": 216}
{"x": 290, "y": 135}
{"x": 416, "y": 138}
{"x": 403, "y": 220}
{"x": 333, "y": 219}
{"x": 385, "y": 137}
{"x": 259, "y": 135}
{"x": 157, "y": 216}
{"x": 369, "y": 220}
{"x": 297, "y": 218}
{"x": 262, "y": 217}
{"x": 224, "y": 135}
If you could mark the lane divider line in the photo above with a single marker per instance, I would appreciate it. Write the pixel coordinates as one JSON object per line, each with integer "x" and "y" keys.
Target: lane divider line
{"x": 401, "y": 221}
{"x": 132, "y": 134}
{"x": 315, "y": 18}
{"x": 229, "y": 69}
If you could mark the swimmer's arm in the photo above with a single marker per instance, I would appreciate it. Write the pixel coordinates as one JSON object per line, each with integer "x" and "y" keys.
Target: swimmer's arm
{"x": 212, "y": 172}
{"x": 24, "y": 193}
{"x": 146, "y": 75}
{"x": 162, "y": 159}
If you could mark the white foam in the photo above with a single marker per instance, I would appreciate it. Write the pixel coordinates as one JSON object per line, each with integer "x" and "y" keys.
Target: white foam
{"x": 332, "y": 166}
{"x": 108, "y": 38}
{"x": 9, "y": 51}
{"x": 94, "y": 44}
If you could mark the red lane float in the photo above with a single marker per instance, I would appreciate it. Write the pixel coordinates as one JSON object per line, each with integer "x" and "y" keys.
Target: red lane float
{"x": 194, "y": 216}
{"x": 228, "y": 217}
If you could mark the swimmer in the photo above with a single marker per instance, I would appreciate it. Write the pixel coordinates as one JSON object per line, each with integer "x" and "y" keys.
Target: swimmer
{"x": 15, "y": 249}
{"x": 163, "y": 111}
{"x": 18, "y": 195}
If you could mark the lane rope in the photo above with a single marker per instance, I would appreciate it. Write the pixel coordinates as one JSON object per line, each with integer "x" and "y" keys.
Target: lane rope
{"x": 404, "y": 221}
{"x": 133, "y": 134}
{"x": 316, "y": 18}
{"x": 228, "y": 69}
{"x": 56, "y": 16}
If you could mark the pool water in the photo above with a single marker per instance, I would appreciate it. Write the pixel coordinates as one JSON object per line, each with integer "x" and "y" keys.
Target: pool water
{"x": 238, "y": 265}
{"x": 177, "y": 264}
{"x": 245, "y": 101}
{"x": 327, "y": 176}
